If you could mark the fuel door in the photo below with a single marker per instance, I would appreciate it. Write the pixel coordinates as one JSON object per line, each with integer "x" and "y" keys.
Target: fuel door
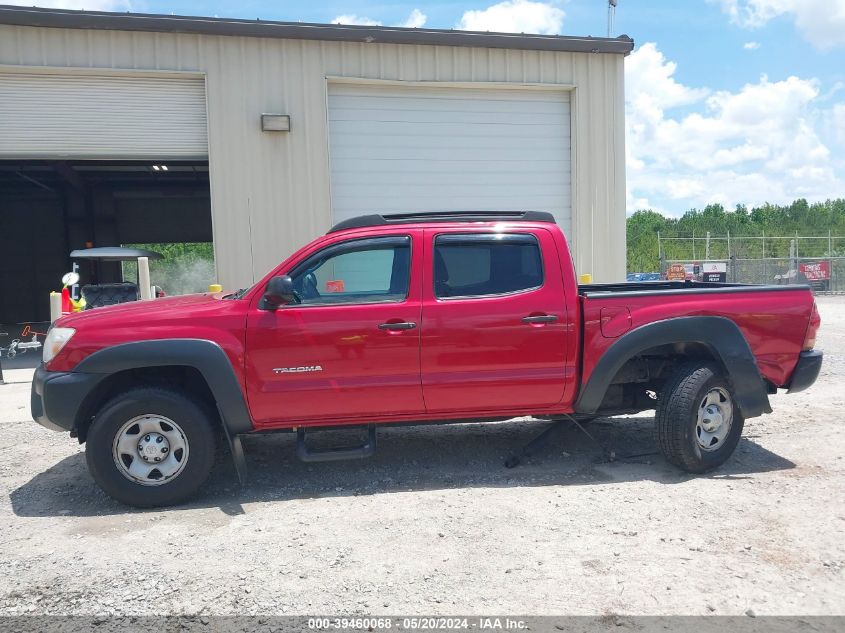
{"x": 615, "y": 321}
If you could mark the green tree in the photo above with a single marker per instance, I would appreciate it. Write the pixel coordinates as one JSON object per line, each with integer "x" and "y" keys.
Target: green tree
{"x": 770, "y": 220}
{"x": 187, "y": 267}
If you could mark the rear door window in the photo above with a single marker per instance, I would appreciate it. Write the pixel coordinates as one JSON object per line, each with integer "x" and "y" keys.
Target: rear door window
{"x": 478, "y": 265}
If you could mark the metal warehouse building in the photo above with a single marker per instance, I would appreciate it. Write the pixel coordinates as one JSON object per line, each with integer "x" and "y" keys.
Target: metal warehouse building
{"x": 122, "y": 128}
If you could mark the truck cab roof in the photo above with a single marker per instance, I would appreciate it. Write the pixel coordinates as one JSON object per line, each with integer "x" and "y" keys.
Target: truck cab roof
{"x": 376, "y": 219}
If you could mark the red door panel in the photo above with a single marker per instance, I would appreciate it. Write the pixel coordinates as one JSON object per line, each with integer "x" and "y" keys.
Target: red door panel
{"x": 505, "y": 351}
{"x": 308, "y": 363}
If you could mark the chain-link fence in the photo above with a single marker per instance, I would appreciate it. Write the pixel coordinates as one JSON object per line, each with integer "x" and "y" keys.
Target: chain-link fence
{"x": 824, "y": 274}
{"x": 815, "y": 260}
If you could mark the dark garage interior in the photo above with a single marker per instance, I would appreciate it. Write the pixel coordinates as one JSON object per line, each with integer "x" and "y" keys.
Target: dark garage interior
{"x": 50, "y": 207}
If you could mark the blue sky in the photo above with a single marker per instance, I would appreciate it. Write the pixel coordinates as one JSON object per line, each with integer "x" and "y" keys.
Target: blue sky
{"x": 730, "y": 101}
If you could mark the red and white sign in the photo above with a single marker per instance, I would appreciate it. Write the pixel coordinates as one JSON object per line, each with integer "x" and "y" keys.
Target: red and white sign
{"x": 676, "y": 272}
{"x": 815, "y": 271}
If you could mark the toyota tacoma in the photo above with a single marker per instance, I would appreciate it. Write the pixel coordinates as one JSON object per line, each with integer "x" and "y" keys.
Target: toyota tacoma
{"x": 401, "y": 319}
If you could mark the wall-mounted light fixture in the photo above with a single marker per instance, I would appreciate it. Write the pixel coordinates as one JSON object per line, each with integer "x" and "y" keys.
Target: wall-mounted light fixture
{"x": 275, "y": 122}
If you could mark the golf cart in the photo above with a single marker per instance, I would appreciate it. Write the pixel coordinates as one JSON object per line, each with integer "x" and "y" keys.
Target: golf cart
{"x": 95, "y": 295}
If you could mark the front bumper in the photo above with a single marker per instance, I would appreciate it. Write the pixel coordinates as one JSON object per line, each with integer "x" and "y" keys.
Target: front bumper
{"x": 57, "y": 397}
{"x": 806, "y": 371}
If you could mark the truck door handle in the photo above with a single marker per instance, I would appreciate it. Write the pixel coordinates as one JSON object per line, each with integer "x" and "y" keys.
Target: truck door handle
{"x": 400, "y": 325}
{"x": 540, "y": 318}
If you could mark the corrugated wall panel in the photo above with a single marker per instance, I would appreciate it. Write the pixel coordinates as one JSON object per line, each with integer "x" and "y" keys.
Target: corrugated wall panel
{"x": 270, "y": 191}
{"x": 91, "y": 116}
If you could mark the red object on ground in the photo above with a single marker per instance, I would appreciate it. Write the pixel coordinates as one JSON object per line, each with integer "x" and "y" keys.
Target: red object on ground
{"x": 67, "y": 308}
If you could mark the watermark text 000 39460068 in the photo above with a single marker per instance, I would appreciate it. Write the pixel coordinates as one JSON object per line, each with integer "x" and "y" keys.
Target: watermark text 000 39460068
{"x": 421, "y": 623}
{"x": 582, "y": 624}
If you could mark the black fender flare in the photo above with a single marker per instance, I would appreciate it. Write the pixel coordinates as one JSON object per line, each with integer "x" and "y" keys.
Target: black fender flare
{"x": 720, "y": 335}
{"x": 205, "y": 356}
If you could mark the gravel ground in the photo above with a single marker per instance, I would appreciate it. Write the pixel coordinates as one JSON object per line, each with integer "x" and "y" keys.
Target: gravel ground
{"x": 434, "y": 524}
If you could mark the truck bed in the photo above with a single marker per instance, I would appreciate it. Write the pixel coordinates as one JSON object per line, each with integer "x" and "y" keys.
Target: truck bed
{"x": 772, "y": 318}
{"x": 645, "y": 288}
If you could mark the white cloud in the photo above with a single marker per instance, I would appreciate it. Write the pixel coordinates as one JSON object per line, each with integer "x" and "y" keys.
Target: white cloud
{"x": 415, "y": 20}
{"x": 821, "y": 22}
{"x": 88, "y": 5}
{"x": 751, "y": 46}
{"x": 351, "y": 18}
{"x": 515, "y": 16}
{"x": 756, "y": 13}
{"x": 760, "y": 143}
{"x": 648, "y": 75}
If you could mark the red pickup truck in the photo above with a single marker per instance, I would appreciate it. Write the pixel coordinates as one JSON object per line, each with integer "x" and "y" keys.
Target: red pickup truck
{"x": 414, "y": 319}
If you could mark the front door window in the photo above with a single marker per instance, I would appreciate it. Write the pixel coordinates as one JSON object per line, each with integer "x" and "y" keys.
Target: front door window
{"x": 358, "y": 271}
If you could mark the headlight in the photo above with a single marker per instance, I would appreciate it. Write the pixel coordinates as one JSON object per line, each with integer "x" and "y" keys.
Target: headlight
{"x": 56, "y": 339}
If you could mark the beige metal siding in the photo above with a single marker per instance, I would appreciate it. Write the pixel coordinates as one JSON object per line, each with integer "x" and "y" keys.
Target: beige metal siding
{"x": 271, "y": 192}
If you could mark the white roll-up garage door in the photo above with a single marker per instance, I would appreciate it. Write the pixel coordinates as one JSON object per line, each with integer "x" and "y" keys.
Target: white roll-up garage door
{"x": 82, "y": 116}
{"x": 398, "y": 149}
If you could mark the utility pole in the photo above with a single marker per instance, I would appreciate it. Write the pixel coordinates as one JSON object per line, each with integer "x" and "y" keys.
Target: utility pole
{"x": 765, "y": 263}
{"x": 611, "y": 15}
{"x": 659, "y": 255}
{"x": 707, "y": 248}
{"x": 732, "y": 260}
{"x": 829, "y": 265}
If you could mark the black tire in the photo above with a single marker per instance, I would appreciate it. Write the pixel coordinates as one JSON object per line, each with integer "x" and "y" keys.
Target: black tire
{"x": 194, "y": 421}
{"x": 677, "y": 427}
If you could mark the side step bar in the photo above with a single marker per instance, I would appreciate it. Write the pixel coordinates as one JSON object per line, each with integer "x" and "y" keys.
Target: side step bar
{"x": 305, "y": 454}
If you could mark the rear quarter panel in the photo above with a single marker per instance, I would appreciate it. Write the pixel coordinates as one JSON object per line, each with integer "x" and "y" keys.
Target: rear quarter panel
{"x": 773, "y": 322}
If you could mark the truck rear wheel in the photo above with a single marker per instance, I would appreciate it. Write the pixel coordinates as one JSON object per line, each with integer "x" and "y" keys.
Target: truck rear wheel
{"x": 698, "y": 424}
{"x": 150, "y": 447}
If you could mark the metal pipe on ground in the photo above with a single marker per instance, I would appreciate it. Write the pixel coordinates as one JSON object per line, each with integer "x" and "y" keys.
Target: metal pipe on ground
{"x": 144, "y": 278}
{"x": 55, "y": 306}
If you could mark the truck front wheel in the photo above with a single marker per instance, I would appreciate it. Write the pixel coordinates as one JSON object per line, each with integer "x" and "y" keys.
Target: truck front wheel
{"x": 150, "y": 447}
{"x": 698, "y": 424}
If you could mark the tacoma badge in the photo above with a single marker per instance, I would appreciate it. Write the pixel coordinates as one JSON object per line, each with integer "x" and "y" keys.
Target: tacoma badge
{"x": 296, "y": 370}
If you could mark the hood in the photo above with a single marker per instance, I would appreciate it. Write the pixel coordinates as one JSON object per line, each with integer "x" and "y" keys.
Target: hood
{"x": 143, "y": 311}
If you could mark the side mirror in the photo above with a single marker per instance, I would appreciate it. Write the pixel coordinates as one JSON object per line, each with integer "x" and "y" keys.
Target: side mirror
{"x": 279, "y": 292}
